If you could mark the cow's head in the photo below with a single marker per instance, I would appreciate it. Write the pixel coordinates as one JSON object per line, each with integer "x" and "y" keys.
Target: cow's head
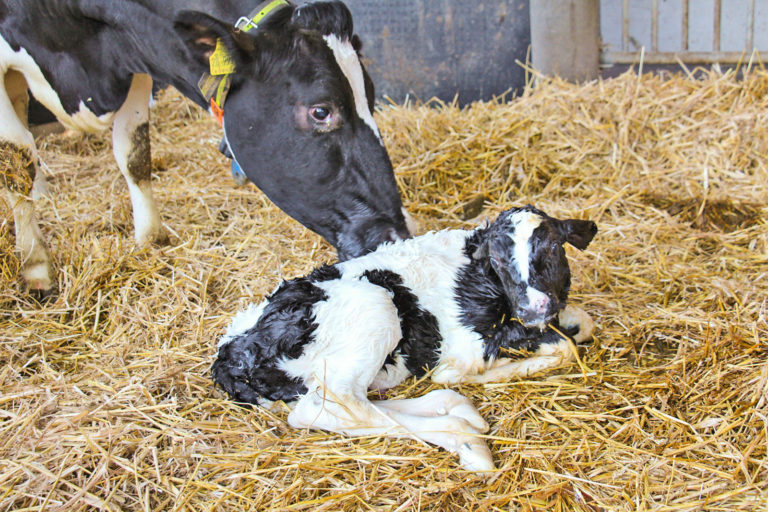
{"x": 298, "y": 120}
{"x": 524, "y": 249}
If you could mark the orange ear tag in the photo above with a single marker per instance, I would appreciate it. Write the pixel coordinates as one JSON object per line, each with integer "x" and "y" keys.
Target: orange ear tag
{"x": 217, "y": 112}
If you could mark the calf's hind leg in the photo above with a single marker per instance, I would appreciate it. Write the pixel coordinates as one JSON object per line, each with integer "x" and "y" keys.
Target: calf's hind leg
{"x": 18, "y": 166}
{"x": 357, "y": 416}
{"x": 440, "y": 402}
{"x": 130, "y": 141}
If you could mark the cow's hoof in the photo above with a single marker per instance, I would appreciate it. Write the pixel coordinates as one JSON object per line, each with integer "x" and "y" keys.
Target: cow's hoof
{"x": 155, "y": 237}
{"x": 43, "y": 296}
{"x": 37, "y": 276}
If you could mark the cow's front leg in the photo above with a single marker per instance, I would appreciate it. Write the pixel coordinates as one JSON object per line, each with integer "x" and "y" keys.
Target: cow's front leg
{"x": 18, "y": 165}
{"x": 356, "y": 416}
{"x": 130, "y": 140}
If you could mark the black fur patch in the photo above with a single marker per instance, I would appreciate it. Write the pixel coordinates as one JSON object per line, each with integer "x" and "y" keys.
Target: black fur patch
{"x": 420, "y": 344}
{"x": 485, "y": 308}
{"x": 324, "y": 273}
{"x": 246, "y": 367}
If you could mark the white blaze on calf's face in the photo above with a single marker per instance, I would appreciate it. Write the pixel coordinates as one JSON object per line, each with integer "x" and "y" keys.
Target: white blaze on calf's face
{"x": 349, "y": 62}
{"x": 524, "y": 223}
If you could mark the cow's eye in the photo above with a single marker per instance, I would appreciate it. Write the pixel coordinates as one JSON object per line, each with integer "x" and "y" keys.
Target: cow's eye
{"x": 320, "y": 113}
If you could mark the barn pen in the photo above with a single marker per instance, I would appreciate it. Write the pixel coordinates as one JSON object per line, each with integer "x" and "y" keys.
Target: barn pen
{"x": 107, "y": 402}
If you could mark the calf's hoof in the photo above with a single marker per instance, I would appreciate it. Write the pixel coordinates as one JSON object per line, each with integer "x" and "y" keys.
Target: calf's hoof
{"x": 469, "y": 413}
{"x": 573, "y": 317}
{"x": 475, "y": 456}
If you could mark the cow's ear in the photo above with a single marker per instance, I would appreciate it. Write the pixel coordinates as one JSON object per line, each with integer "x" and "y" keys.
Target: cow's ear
{"x": 578, "y": 233}
{"x": 201, "y": 33}
{"x": 324, "y": 17}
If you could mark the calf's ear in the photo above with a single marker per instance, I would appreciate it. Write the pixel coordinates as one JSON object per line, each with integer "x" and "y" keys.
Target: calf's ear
{"x": 482, "y": 254}
{"x": 201, "y": 33}
{"x": 578, "y": 233}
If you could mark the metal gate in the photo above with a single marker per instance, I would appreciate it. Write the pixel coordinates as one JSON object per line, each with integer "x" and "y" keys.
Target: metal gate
{"x": 687, "y": 31}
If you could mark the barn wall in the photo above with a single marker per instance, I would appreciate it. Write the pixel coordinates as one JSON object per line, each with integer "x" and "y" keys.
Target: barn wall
{"x": 440, "y": 48}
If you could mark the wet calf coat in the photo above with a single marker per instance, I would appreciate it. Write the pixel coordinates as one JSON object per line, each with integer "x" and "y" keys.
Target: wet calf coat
{"x": 297, "y": 116}
{"x": 453, "y": 303}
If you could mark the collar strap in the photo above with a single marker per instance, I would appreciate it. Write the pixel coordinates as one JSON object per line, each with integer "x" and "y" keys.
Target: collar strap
{"x": 215, "y": 84}
{"x": 262, "y": 11}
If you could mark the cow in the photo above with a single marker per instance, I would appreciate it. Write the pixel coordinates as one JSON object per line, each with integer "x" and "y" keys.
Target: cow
{"x": 287, "y": 85}
{"x": 457, "y": 304}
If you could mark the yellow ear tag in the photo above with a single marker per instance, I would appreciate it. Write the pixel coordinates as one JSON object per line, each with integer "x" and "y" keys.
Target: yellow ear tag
{"x": 220, "y": 60}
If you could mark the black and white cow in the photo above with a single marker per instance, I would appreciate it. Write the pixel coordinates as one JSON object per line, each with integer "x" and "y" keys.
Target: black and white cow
{"x": 454, "y": 303}
{"x": 297, "y": 116}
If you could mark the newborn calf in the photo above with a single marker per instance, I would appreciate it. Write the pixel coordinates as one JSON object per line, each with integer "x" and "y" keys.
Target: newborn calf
{"x": 451, "y": 303}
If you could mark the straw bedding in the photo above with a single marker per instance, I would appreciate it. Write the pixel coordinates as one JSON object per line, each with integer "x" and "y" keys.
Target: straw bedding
{"x": 107, "y": 401}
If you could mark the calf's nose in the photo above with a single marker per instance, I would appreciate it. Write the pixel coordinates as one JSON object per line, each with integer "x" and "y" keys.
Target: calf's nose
{"x": 538, "y": 302}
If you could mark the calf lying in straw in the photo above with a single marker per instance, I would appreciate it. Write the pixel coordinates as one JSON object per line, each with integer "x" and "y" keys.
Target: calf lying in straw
{"x": 450, "y": 303}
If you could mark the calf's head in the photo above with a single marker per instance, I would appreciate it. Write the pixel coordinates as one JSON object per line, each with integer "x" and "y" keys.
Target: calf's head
{"x": 524, "y": 249}
{"x": 298, "y": 120}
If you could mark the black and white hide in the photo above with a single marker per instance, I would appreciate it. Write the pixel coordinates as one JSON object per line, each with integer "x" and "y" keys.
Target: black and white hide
{"x": 298, "y": 116}
{"x": 452, "y": 303}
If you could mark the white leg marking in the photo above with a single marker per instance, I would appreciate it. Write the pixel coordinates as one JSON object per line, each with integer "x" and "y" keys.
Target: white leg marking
{"x": 349, "y": 62}
{"x": 549, "y": 355}
{"x": 357, "y": 327}
{"x": 15, "y": 141}
{"x": 440, "y": 402}
{"x": 572, "y": 316}
{"x": 36, "y": 262}
{"x": 131, "y": 144}
{"x": 146, "y": 218}
{"x": 359, "y": 417}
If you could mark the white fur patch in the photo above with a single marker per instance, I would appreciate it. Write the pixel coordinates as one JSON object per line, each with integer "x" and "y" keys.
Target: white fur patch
{"x": 524, "y": 223}
{"x": 84, "y": 120}
{"x": 243, "y": 321}
{"x": 357, "y": 327}
{"x": 146, "y": 218}
{"x": 349, "y": 62}
{"x": 429, "y": 266}
{"x": 391, "y": 375}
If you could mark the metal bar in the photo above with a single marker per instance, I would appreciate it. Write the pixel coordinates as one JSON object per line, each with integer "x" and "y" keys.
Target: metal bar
{"x": 751, "y": 27}
{"x": 609, "y": 58}
{"x": 685, "y": 24}
{"x": 716, "y": 35}
{"x": 625, "y": 26}
{"x": 655, "y": 25}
